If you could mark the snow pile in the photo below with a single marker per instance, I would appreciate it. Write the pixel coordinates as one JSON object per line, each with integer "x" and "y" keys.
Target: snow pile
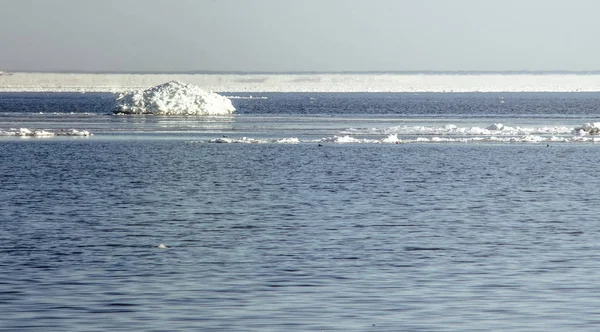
{"x": 173, "y": 98}
{"x": 25, "y": 132}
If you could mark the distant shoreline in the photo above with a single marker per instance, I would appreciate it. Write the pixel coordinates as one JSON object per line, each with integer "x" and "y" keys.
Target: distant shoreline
{"x": 391, "y": 72}
{"x": 308, "y": 82}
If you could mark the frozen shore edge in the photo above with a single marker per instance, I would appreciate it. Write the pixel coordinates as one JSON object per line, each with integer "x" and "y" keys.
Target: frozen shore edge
{"x": 257, "y": 83}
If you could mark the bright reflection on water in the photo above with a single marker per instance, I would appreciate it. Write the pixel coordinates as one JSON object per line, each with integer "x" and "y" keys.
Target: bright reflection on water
{"x": 297, "y": 237}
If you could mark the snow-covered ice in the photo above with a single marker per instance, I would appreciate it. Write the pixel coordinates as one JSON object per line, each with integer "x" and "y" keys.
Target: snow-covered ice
{"x": 496, "y": 126}
{"x": 495, "y": 133}
{"x": 26, "y": 132}
{"x": 173, "y": 98}
{"x": 496, "y": 129}
{"x": 308, "y": 82}
{"x": 588, "y": 129}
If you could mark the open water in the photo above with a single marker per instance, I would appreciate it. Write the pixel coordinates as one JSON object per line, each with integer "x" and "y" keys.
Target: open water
{"x": 429, "y": 235}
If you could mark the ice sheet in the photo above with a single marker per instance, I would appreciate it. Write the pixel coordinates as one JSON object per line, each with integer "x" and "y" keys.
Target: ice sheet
{"x": 368, "y": 82}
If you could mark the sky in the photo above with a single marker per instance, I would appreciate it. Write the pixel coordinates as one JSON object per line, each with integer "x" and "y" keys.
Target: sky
{"x": 299, "y": 35}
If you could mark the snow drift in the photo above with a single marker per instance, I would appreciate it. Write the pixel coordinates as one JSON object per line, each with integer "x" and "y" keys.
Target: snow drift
{"x": 173, "y": 98}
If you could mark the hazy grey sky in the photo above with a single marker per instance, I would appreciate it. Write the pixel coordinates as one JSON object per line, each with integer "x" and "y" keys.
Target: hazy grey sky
{"x": 299, "y": 35}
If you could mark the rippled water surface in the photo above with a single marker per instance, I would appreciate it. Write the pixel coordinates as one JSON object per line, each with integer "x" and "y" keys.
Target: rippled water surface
{"x": 300, "y": 237}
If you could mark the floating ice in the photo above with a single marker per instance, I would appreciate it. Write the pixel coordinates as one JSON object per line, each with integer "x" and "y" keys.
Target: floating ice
{"x": 246, "y": 97}
{"x": 289, "y": 140}
{"x": 392, "y": 138}
{"x": 449, "y": 133}
{"x": 237, "y": 140}
{"x": 496, "y": 126}
{"x": 173, "y": 98}
{"x": 450, "y": 129}
{"x": 341, "y": 139}
{"x": 162, "y": 246}
{"x": 588, "y": 129}
{"x": 26, "y": 132}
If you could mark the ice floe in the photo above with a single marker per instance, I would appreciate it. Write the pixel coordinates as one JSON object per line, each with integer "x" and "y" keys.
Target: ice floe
{"x": 173, "y": 98}
{"x": 495, "y": 133}
{"x": 497, "y": 129}
{"x": 588, "y": 129}
{"x": 26, "y": 132}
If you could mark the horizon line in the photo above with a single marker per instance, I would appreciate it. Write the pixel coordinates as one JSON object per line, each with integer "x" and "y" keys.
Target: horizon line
{"x": 310, "y": 72}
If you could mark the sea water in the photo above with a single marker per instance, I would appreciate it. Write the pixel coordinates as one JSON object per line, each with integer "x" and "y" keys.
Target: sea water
{"x": 306, "y": 235}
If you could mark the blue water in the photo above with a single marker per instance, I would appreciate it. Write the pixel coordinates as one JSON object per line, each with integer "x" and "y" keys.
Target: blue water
{"x": 302, "y": 237}
{"x": 405, "y": 104}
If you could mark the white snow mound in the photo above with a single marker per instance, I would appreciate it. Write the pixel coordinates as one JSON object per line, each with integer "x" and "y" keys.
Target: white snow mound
{"x": 173, "y": 98}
